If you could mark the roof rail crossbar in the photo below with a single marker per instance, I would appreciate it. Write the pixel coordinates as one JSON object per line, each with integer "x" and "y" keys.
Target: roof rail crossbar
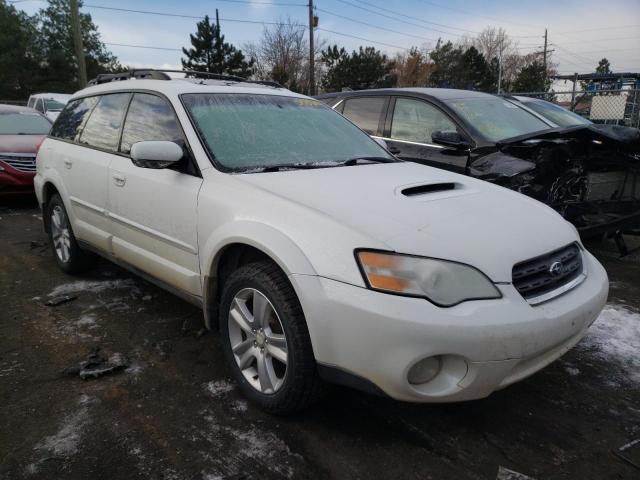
{"x": 161, "y": 74}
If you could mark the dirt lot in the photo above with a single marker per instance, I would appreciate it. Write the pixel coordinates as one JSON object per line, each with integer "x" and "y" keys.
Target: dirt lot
{"x": 174, "y": 413}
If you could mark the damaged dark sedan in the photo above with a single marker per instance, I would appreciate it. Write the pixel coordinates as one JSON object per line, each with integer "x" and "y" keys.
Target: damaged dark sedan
{"x": 589, "y": 173}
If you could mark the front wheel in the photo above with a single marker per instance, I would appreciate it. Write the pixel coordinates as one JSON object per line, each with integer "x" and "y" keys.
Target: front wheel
{"x": 69, "y": 256}
{"x": 266, "y": 340}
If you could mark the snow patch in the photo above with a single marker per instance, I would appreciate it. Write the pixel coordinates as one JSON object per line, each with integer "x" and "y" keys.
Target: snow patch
{"x": 615, "y": 335}
{"x": 66, "y": 441}
{"x": 93, "y": 286}
{"x": 218, "y": 388}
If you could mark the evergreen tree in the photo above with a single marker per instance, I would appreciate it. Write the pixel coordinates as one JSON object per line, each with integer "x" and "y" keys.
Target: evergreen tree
{"x": 448, "y": 65}
{"x": 55, "y": 40}
{"x": 19, "y": 56}
{"x": 210, "y": 53}
{"x": 360, "y": 70}
{"x": 532, "y": 78}
{"x": 603, "y": 66}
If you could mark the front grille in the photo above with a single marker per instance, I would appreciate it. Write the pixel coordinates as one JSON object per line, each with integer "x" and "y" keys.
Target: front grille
{"x": 537, "y": 277}
{"x": 24, "y": 162}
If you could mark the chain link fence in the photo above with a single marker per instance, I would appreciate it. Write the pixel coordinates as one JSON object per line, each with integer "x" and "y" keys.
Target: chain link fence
{"x": 615, "y": 107}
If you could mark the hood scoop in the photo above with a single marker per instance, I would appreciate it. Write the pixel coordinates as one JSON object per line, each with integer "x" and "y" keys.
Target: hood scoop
{"x": 418, "y": 190}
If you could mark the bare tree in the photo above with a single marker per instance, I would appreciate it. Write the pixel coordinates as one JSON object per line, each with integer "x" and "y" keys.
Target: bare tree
{"x": 282, "y": 55}
{"x": 413, "y": 69}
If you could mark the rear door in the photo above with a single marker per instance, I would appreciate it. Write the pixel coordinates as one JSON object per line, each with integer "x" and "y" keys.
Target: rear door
{"x": 90, "y": 129}
{"x": 413, "y": 122}
{"x": 154, "y": 211}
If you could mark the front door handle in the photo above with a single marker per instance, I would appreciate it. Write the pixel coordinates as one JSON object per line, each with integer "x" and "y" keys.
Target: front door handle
{"x": 119, "y": 179}
{"x": 68, "y": 163}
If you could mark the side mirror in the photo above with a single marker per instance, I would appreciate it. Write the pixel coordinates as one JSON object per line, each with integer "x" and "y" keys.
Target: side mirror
{"x": 449, "y": 139}
{"x": 155, "y": 153}
{"x": 381, "y": 142}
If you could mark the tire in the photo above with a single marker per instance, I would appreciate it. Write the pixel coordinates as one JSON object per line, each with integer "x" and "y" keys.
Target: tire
{"x": 68, "y": 255}
{"x": 264, "y": 287}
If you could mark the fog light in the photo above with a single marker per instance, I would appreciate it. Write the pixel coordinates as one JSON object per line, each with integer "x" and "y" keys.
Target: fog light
{"x": 424, "y": 370}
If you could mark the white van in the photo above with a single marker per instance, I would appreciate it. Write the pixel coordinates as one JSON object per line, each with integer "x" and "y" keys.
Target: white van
{"x": 49, "y": 104}
{"x": 317, "y": 254}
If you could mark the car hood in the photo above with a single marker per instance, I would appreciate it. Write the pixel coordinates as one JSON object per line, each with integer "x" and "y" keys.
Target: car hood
{"x": 425, "y": 211}
{"x": 20, "y": 143}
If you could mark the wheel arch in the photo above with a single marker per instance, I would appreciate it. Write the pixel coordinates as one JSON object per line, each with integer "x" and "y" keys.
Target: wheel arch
{"x": 241, "y": 243}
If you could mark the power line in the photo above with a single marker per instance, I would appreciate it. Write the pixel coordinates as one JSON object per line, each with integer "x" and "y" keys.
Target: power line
{"x": 414, "y": 18}
{"x": 397, "y": 19}
{"x": 374, "y": 26}
{"x": 143, "y": 46}
{"x": 150, "y": 12}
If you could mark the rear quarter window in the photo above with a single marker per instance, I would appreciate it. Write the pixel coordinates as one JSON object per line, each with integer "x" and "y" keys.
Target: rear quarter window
{"x": 69, "y": 123}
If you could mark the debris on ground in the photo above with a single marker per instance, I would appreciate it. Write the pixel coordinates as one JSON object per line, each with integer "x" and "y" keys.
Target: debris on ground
{"x": 506, "y": 474}
{"x": 55, "y": 301}
{"x": 96, "y": 365}
{"x": 630, "y": 453}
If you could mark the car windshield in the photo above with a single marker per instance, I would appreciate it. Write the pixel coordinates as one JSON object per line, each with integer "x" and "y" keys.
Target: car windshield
{"x": 558, "y": 115}
{"x": 53, "y": 105}
{"x": 23, "y": 123}
{"x": 495, "y": 118}
{"x": 244, "y": 131}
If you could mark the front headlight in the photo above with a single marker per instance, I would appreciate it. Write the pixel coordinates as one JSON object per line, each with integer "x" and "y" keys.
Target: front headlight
{"x": 442, "y": 282}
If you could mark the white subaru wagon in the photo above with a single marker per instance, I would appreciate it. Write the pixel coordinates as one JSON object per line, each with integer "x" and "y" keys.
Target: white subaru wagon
{"x": 318, "y": 256}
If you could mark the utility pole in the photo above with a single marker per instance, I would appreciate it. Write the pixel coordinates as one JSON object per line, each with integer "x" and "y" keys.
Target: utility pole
{"x": 77, "y": 43}
{"x": 544, "y": 53}
{"x": 500, "y": 68}
{"x": 312, "y": 53}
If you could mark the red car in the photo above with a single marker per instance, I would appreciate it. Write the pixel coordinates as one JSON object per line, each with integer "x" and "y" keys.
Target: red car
{"x": 22, "y": 130}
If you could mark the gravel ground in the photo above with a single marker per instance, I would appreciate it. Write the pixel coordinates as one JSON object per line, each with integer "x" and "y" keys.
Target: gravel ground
{"x": 174, "y": 413}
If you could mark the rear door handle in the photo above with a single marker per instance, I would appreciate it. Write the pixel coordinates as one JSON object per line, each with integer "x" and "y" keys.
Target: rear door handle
{"x": 119, "y": 179}
{"x": 68, "y": 163}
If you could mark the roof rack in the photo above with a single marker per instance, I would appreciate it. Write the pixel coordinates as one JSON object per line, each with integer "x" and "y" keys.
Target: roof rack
{"x": 157, "y": 74}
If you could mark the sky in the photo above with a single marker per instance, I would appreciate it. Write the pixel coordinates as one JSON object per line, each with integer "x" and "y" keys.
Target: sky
{"x": 580, "y": 31}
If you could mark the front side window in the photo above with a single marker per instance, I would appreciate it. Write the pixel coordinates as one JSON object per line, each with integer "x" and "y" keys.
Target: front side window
{"x": 149, "y": 118}
{"x": 23, "y": 123}
{"x": 495, "y": 118}
{"x": 365, "y": 112}
{"x": 102, "y": 130}
{"x": 244, "y": 131}
{"x": 69, "y": 123}
{"x": 416, "y": 120}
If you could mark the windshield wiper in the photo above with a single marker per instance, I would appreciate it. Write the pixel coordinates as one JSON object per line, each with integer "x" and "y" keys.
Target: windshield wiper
{"x": 285, "y": 166}
{"x": 355, "y": 160}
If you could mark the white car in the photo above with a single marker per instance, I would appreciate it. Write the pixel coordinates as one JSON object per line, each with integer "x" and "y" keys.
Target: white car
{"x": 317, "y": 254}
{"x": 49, "y": 104}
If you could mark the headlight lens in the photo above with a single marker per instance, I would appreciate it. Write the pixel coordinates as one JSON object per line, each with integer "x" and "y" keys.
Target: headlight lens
{"x": 442, "y": 282}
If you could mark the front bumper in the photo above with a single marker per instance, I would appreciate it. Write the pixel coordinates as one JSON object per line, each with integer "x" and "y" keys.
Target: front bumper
{"x": 13, "y": 181}
{"x": 484, "y": 345}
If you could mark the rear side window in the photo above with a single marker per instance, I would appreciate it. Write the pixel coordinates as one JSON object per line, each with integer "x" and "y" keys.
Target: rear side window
{"x": 70, "y": 122}
{"x": 149, "y": 118}
{"x": 365, "y": 112}
{"x": 39, "y": 105}
{"x": 102, "y": 130}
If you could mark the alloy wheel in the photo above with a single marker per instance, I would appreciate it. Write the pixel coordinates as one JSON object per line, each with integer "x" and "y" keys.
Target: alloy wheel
{"x": 258, "y": 341}
{"x": 60, "y": 234}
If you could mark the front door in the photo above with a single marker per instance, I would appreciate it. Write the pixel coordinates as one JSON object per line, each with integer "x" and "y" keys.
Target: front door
{"x": 412, "y": 126}
{"x": 154, "y": 211}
